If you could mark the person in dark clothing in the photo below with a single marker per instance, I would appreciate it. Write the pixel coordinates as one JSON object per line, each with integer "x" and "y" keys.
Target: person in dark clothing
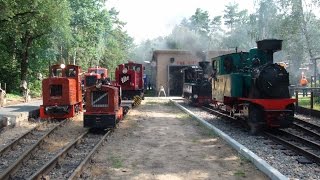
{"x": 104, "y": 80}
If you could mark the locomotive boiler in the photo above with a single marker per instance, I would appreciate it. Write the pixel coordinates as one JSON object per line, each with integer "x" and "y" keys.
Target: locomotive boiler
{"x": 250, "y": 85}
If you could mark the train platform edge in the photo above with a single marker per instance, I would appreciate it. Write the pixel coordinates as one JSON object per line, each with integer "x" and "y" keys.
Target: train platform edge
{"x": 13, "y": 114}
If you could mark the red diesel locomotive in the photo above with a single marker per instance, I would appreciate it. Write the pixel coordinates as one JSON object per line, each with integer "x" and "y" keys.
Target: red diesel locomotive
{"x": 93, "y": 74}
{"x": 103, "y": 106}
{"x": 62, "y": 96}
{"x": 130, "y": 77}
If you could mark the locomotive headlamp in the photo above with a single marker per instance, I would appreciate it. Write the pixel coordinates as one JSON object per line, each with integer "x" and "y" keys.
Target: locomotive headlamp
{"x": 98, "y": 86}
{"x": 62, "y": 66}
{"x": 125, "y": 70}
{"x": 195, "y": 96}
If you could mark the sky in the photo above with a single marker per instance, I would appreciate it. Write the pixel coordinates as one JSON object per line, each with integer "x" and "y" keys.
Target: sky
{"x": 147, "y": 19}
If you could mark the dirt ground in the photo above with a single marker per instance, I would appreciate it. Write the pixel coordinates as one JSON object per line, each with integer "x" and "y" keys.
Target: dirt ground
{"x": 158, "y": 141}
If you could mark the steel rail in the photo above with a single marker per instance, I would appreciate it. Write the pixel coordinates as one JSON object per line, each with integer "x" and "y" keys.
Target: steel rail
{"x": 16, "y": 141}
{"x": 14, "y": 167}
{"x": 55, "y": 160}
{"x": 300, "y": 150}
{"x": 302, "y": 128}
{"x": 313, "y": 126}
{"x": 77, "y": 172}
{"x": 41, "y": 173}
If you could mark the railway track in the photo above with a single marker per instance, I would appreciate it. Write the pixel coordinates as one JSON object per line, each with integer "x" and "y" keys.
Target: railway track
{"x": 33, "y": 159}
{"x": 303, "y": 137}
{"x": 68, "y": 164}
{"x": 12, "y": 155}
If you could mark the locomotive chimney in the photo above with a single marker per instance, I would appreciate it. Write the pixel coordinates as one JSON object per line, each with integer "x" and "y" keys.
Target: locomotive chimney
{"x": 270, "y": 46}
{"x": 205, "y": 66}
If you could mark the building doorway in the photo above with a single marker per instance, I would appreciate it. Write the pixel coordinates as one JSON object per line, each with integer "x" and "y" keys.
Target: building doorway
{"x": 175, "y": 77}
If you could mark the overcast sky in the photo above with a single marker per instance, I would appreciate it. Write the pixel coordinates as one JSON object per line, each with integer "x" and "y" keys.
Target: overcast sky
{"x": 152, "y": 18}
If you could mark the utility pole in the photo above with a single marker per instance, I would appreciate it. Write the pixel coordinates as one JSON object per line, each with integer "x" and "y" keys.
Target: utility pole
{"x": 315, "y": 73}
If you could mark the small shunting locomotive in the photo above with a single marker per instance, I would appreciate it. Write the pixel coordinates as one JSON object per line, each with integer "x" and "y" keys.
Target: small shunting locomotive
{"x": 103, "y": 106}
{"x": 61, "y": 91}
{"x": 130, "y": 77}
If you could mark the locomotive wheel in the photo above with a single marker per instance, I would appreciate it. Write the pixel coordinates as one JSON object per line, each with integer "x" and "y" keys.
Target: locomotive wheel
{"x": 255, "y": 118}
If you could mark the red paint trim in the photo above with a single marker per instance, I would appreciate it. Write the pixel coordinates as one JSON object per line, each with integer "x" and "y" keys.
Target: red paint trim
{"x": 271, "y": 104}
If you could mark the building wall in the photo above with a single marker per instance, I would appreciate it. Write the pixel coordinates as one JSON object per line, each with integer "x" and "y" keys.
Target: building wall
{"x": 161, "y": 61}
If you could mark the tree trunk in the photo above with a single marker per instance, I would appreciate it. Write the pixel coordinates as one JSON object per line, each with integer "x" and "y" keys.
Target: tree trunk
{"x": 26, "y": 41}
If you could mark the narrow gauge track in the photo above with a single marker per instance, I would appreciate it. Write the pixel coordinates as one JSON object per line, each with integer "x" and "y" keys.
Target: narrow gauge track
{"x": 307, "y": 127}
{"x": 69, "y": 163}
{"x": 12, "y": 155}
{"x": 42, "y": 153}
{"x": 303, "y": 137}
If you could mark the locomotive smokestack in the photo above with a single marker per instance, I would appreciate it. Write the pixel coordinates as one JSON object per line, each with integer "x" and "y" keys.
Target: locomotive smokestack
{"x": 270, "y": 46}
{"x": 205, "y": 66}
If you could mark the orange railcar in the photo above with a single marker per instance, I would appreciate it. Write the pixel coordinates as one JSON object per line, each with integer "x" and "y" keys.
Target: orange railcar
{"x": 62, "y": 94}
{"x": 103, "y": 106}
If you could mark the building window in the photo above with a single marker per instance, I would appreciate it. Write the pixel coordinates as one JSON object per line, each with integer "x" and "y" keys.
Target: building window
{"x": 172, "y": 60}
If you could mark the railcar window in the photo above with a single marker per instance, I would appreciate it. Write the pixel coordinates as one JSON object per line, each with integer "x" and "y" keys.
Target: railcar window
{"x": 71, "y": 72}
{"x": 56, "y": 90}
{"x": 99, "y": 99}
{"x": 57, "y": 72}
{"x": 90, "y": 80}
{"x": 100, "y": 71}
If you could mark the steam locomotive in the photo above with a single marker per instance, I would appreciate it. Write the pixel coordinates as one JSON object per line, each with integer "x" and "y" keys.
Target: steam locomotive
{"x": 250, "y": 85}
{"x": 197, "y": 89}
{"x": 61, "y": 91}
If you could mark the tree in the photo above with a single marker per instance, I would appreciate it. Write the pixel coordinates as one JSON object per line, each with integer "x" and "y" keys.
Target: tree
{"x": 232, "y": 15}
{"x": 26, "y": 23}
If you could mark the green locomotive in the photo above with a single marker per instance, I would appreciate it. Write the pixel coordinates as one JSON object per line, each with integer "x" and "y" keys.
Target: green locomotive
{"x": 250, "y": 85}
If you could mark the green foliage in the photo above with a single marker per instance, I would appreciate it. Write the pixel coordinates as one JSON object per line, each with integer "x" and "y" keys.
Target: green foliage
{"x": 240, "y": 173}
{"x": 38, "y": 33}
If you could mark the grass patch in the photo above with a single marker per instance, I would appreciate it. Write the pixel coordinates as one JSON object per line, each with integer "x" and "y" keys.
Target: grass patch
{"x": 183, "y": 116}
{"x": 207, "y": 132}
{"x": 240, "y": 173}
{"x": 116, "y": 162}
{"x": 13, "y": 96}
{"x": 305, "y": 102}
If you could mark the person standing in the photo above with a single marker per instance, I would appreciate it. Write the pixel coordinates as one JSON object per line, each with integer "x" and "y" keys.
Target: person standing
{"x": 162, "y": 91}
{"x": 304, "y": 84}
